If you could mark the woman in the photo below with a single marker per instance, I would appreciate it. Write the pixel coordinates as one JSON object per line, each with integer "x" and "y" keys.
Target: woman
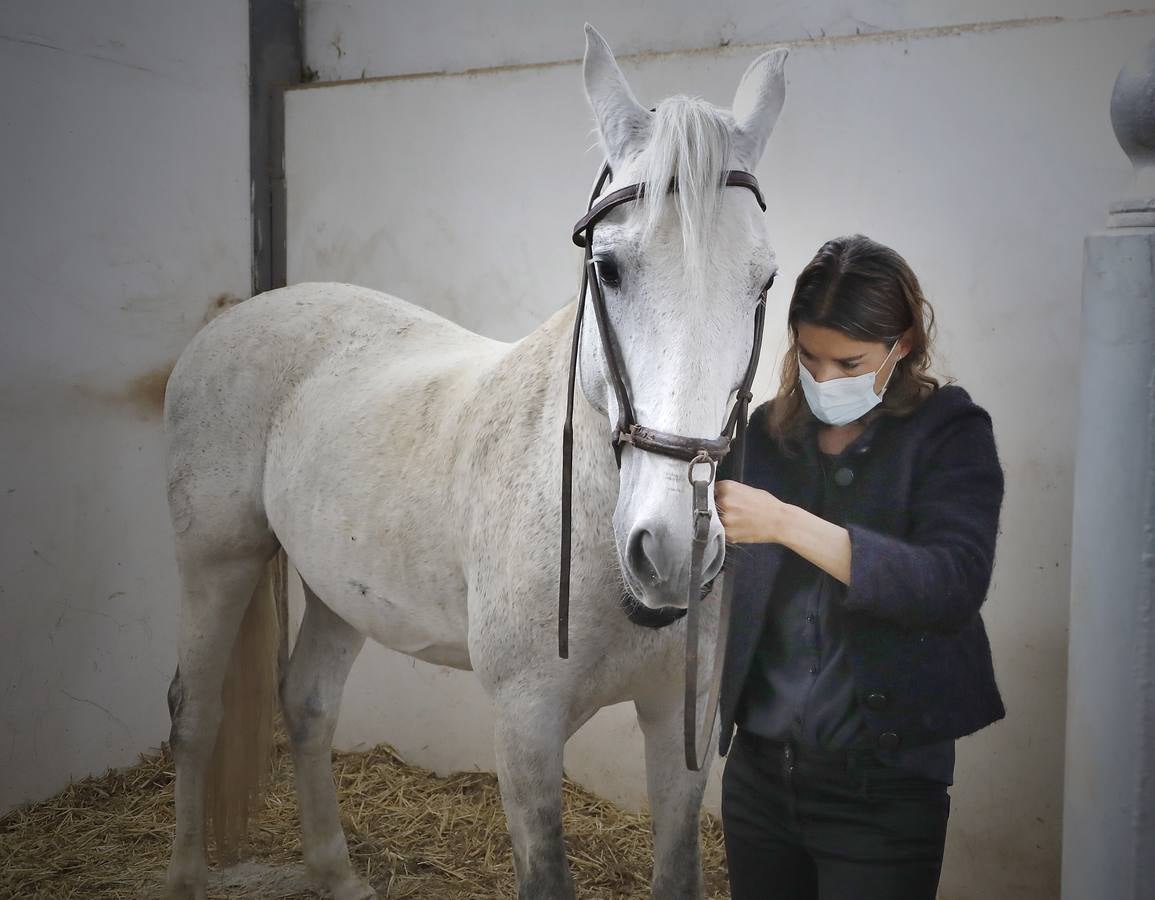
{"x": 856, "y": 653}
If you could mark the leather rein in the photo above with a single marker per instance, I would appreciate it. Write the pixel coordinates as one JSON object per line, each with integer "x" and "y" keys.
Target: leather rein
{"x": 695, "y": 451}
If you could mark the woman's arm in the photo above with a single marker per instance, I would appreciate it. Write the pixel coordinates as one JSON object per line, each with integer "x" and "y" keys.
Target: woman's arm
{"x": 936, "y": 577}
{"x": 753, "y": 516}
{"x": 813, "y": 538}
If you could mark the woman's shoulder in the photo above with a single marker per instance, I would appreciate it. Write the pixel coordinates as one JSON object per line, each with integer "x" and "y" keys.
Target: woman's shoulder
{"x": 761, "y": 412}
{"x": 759, "y": 441}
{"x": 950, "y": 425}
{"x": 946, "y": 405}
{"x": 759, "y": 424}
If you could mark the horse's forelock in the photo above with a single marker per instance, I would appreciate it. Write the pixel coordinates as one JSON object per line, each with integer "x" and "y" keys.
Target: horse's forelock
{"x": 690, "y": 140}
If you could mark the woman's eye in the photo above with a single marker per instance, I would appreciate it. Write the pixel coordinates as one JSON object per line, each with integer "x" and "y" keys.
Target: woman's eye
{"x": 608, "y": 272}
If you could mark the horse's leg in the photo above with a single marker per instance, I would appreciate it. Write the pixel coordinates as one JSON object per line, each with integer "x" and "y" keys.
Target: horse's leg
{"x": 215, "y": 592}
{"x": 675, "y": 799}
{"x": 530, "y": 735}
{"x": 310, "y": 700}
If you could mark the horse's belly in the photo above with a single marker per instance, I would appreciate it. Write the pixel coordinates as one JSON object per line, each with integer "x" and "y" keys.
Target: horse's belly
{"x": 420, "y": 627}
{"x": 418, "y": 612}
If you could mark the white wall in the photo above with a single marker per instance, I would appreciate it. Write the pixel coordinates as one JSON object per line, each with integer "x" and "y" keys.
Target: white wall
{"x": 124, "y": 174}
{"x": 983, "y": 155}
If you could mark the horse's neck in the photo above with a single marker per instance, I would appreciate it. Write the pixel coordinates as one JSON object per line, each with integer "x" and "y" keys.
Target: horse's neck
{"x": 543, "y": 358}
{"x": 524, "y": 399}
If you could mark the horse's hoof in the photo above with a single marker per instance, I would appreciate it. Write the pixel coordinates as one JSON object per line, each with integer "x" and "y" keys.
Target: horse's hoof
{"x": 353, "y": 888}
{"x": 186, "y": 892}
{"x": 187, "y": 886}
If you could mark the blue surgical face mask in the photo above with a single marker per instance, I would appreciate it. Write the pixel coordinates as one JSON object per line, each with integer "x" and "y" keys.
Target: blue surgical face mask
{"x": 839, "y": 401}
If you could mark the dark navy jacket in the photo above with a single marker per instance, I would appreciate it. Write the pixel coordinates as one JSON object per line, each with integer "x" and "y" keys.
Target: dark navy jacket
{"x": 921, "y": 505}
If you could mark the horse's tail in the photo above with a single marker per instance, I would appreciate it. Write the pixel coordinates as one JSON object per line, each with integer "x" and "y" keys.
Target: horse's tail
{"x": 241, "y": 761}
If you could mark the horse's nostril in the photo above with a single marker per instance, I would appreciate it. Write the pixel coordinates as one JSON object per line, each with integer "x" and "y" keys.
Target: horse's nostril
{"x": 640, "y": 560}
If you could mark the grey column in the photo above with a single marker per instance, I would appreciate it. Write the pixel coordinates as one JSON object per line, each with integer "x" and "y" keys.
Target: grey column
{"x": 1109, "y": 798}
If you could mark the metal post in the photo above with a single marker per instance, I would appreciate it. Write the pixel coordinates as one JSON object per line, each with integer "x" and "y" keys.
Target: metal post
{"x": 1109, "y": 799}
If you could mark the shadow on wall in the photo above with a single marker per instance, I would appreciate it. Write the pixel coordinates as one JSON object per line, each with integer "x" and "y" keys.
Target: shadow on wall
{"x": 144, "y": 393}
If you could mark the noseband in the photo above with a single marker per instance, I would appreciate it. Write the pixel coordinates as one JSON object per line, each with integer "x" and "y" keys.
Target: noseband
{"x": 694, "y": 450}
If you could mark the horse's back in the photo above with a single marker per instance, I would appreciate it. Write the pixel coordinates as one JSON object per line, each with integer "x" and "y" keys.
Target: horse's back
{"x": 299, "y": 326}
{"x": 242, "y": 363}
{"x": 241, "y": 371}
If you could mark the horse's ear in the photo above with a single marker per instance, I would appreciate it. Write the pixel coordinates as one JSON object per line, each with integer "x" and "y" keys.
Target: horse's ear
{"x": 757, "y": 103}
{"x": 623, "y": 122}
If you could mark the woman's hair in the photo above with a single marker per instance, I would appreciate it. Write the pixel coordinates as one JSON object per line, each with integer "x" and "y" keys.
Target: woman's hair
{"x": 868, "y": 292}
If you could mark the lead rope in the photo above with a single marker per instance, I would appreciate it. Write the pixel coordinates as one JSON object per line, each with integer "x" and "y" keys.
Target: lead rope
{"x": 697, "y": 738}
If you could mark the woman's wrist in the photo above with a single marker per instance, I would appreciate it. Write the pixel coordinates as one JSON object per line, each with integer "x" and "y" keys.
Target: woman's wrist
{"x": 777, "y": 520}
{"x": 813, "y": 538}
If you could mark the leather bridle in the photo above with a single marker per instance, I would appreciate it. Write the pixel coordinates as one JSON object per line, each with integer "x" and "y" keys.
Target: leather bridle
{"x": 695, "y": 451}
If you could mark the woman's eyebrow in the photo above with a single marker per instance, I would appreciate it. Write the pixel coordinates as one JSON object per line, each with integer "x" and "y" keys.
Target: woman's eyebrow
{"x": 845, "y": 361}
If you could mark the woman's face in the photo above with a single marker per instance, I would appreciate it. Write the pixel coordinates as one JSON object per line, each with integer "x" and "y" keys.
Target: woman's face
{"x": 828, "y": 353}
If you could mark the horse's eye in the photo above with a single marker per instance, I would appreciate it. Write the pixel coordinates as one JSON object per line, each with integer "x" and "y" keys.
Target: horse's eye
{"x": 608, "y": 271}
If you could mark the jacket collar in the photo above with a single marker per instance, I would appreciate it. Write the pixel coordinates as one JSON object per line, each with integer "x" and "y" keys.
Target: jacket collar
{"x": 860, "y": 444}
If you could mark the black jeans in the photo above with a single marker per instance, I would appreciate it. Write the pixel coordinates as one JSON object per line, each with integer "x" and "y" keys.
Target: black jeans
{"x": 810, "y": 825}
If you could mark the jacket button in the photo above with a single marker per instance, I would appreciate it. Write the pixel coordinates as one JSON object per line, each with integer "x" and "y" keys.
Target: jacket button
{"x": 888, "y": 740}
{"x": 876, "y": 700}
{"x": 843, "y": 477}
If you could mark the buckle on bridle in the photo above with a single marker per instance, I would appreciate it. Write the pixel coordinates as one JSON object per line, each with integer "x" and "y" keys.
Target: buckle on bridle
{"x": 703, "y": 458}
{"x": 701, "y": 507}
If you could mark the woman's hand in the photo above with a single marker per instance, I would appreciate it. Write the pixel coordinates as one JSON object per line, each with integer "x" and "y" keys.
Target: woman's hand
{"x": 749, "y": 515}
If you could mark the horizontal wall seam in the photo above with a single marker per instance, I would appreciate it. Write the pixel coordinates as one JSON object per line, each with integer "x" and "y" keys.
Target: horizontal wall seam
{"x": 729, "y": 49}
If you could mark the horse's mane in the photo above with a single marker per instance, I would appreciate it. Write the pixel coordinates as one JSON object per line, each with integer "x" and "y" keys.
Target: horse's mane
{"x": 690, "y": 141}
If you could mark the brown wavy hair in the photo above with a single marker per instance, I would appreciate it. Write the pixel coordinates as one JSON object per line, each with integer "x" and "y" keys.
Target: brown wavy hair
{"x": 868, "y": 292}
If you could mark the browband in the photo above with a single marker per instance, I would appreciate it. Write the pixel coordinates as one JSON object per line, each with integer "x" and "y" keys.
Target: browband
{"x": 734, "y": 178}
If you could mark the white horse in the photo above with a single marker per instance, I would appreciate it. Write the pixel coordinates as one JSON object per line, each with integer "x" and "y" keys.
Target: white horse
{"x": 409, "y": 468}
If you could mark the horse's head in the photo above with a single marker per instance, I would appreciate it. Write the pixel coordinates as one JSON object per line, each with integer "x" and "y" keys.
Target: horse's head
{"x": 681, "y": 274}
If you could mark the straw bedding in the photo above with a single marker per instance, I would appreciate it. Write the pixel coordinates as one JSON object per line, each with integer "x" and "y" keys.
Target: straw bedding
{"x": 412, "y": 833}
